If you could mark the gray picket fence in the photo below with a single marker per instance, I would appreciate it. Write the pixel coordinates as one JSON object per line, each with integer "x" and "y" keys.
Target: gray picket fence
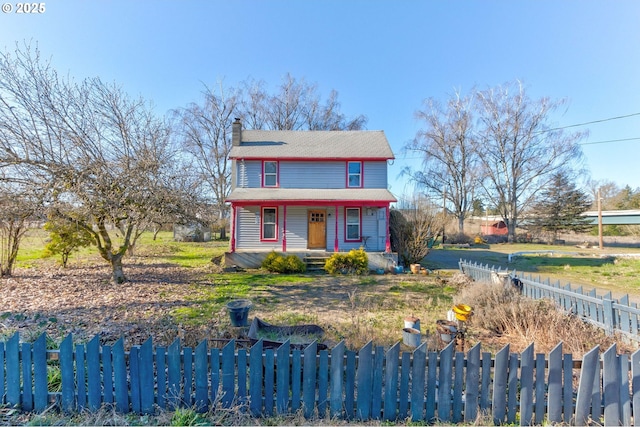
{"x": 372, "y": 383}
{"x": 614, "y": 315}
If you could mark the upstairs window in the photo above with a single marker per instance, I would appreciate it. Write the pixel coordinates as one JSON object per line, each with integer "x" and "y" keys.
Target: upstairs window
{"x": 269, "y": 174}
{"x": 269, "y": 224}
{"x": 352, "y": 223}
{"x": 354, "y": 174}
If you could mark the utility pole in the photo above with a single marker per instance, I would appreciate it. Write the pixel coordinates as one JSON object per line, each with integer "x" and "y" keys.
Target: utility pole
{"x": 600, "y": 239}
{"x": 444, "y": 211}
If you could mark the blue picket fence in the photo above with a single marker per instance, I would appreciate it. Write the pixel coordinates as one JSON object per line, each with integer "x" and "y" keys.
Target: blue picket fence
{"x": 372, "y": 383}
{"x": 614, "y": 315}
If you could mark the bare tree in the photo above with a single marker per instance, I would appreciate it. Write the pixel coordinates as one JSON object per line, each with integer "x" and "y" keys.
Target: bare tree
{"x": 295, "y": 105}
{"x": 17, "y": 210}
{"x": 99, "y": 156}
{"x": 205, "y": 131}
{"x": 448, "y": 149}
{"x": 520, "y": 149}
{"x": 413, "y": 227}
{"x": 606, "y": 190}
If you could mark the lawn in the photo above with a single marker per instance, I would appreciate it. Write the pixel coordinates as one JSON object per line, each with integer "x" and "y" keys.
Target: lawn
{"x": 590, "y": 268}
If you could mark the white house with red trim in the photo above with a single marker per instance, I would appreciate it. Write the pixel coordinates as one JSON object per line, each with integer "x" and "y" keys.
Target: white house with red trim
{"x": 307, "y": 192}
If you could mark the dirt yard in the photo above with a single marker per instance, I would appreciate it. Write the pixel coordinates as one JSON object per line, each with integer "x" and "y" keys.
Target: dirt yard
{"x": 82, "y": 301}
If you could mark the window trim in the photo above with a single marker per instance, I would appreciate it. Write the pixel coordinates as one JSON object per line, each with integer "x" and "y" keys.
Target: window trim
{"x": 361, "y": 174}
{"x": 346, "y": 224}
{"x": 277, "y": 174}
{"x": 262, "y": 224}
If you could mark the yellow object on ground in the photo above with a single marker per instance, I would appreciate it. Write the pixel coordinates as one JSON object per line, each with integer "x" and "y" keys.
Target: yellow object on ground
{"x": 462, "y": 312}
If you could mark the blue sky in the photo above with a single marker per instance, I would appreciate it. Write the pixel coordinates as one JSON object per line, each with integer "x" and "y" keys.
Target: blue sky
{"x": 383, "y": 57}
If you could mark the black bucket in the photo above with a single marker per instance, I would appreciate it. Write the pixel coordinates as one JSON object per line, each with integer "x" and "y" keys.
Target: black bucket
{"x": 239, "y": 312}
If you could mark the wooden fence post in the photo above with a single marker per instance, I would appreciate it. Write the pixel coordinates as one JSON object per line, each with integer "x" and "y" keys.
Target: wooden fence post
{"x": 585, "y": 387}
{"x": 309, "y": 379}
{"x": 635, "y": 385}
{"x": 40, "y": 383}
{"x": 472, "y": 381}
{"x": 444, "y": 382}
{"x": 526, "y": 386}
{"x": 121, "y": 386}
{"x": 609, "y": 316}
{"x": 173, "y": 374}
{"x": 417, "y": 382}
{"x": 202, "y": 377}
{"x": 364, "y": 378}
{"x": 282, "y": 380}
{"x": 12, "y": 357}
{"x": 94, "y": 383}
{"x": 255, "y": 379}
{"x": 391, "y": 382}
{"x": 500, "y": 378}
{"x": 337, "y": 370}
{"x": 610, "y": 387}
{"x": 27, "y": 377}
{"x": 68, "y": 378}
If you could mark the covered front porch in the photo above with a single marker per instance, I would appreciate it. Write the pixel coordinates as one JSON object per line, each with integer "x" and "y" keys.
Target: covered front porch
{"x": 253, "y": 259}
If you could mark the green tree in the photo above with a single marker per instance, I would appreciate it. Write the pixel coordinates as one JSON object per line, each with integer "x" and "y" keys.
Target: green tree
{"x": 560, "y": 207}
{"x": 65, "y": 239}
{"x": 628, "y": 198}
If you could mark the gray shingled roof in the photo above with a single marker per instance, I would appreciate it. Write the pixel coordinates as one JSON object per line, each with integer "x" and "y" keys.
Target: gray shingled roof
{"x": 312, "y": 144}
{"x": 318, "y": 195}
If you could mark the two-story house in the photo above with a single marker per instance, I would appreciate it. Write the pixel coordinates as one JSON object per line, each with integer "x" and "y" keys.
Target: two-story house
{"x": 302, "y": 191}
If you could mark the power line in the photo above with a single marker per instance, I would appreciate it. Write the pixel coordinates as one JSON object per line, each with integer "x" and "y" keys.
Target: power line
{"x": 610, "y": 140}
{"x": 591, "y": 122}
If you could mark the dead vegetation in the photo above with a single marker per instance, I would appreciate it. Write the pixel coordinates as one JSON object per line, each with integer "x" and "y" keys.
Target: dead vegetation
{"x": 503, "y": 316}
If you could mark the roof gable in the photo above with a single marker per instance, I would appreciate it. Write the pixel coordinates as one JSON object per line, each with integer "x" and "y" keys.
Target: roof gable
{"x": 259, "y": 144}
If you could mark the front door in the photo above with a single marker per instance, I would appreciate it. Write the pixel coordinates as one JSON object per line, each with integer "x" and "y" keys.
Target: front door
{"x": 317, "y": 229}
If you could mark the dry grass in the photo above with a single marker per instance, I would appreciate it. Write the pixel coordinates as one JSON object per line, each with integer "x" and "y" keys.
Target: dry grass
{"x": 500, "y": 311}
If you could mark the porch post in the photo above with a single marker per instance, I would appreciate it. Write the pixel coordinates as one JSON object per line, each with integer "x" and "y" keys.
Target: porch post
{"x": 284, "y": 228}
{"x": 387, "y": 246}
{"x": 233, "y": 227}
{"x": 336, "y": 245}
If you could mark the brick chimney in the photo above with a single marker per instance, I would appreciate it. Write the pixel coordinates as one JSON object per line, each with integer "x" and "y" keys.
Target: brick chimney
{"x": 236, "y": 132}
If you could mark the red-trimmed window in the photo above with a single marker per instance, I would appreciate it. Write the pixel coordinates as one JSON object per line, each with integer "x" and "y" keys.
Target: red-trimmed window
{"x": 269, "y": 224}
{"x": 352, "y": 224}
{"x": 354, "y": 174}
{"x": 269, "y": 173}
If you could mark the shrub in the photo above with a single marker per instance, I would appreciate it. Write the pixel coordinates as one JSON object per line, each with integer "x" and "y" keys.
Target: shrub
{"x": 353, "y": 262}
{"x": 278, "y": 263}
{"x": 459, "y": 238}
{"x": 65, "y": 238}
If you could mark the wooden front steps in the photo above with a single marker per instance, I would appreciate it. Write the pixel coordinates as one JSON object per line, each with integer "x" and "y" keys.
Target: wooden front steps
{"x": 315, "y": 263}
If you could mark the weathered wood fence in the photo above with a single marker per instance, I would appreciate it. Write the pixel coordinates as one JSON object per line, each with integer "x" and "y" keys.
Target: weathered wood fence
{"x": 372, "y": 383}
{"x": 618, "y": 316}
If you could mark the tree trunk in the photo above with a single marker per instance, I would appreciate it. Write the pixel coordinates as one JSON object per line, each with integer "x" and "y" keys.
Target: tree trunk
{"x": 223, "y": 233}
{"x": 511, "y": 228}
{"x": 117, "y": 274}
